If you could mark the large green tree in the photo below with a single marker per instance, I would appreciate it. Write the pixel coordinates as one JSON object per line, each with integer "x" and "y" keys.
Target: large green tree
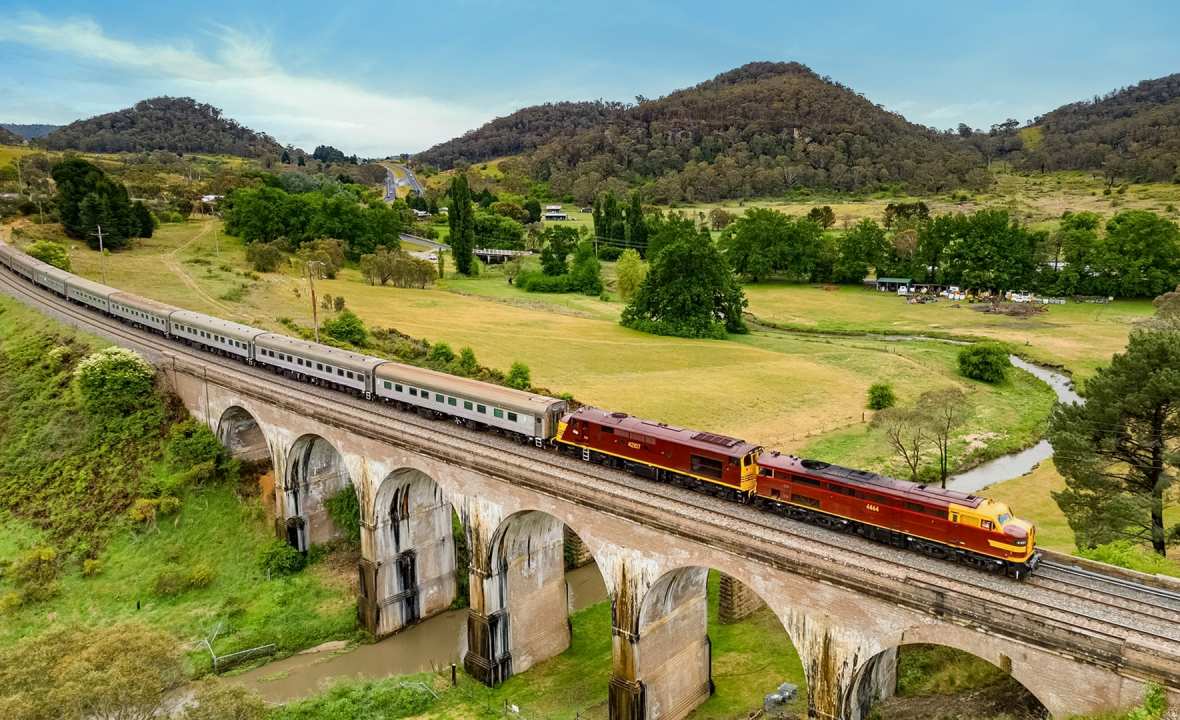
{"x": 461, "y": 219}
{"x": 763, "y": 241}
{"x": 862, "y": 247}
{"x": 991, "y": 251}
{"x": 88, "y": 199}
{"x": 690, "y": 291}
{"x": 1141, "y": 254}
{"x": 636, "y": 225}
{"x": 1121, "y": 449}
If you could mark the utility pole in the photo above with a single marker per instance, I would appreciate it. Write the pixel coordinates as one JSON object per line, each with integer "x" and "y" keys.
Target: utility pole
{"x": 102, "y": 254}
{"x": 311, "y": 267}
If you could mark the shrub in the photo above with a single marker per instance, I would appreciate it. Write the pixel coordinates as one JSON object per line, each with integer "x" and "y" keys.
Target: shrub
{"x": 609, "y": 252}
{"x": 192, "y": 443}
{"x": 264, "y": 257}
{"x": 278, "y": 558}
{"x": 220, "y": 700}
{"x": 35, "y": 568}
{"x": 174, "y": 579}
{"x": 881, "y": 396}
{"x": 518, "y": 376}
{"x": 115, "y": 381}
{"x": 1127, "y": 554}
{"x": 532, "y": 281}
{"x": 987, "y": 362}
{"x": 345, "y": 510}
{"x": 441, "y": 353}
{"x": 466, "y": 365}
{"x": 91, "y": 567}
{"x": 347, "y": 327}
{"x": 50, "y": 252}
{"x": 144, "y": 510}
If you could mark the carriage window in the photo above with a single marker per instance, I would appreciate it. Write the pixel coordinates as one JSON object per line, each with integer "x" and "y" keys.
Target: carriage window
{"x": 388, "y": 385}
{"x": 467, "y": 405}
{"x": 498, "y": 412}
{"x": 482, "y": 408}
{"x": 319, "y": 366}
{"x": 414, "y": 392}
{"x": 438, "y": 397}
{"x": 339, "y": 372}
{"x": 397, "y": 388}
{"x": 452, "y": 401}
{"x": 349, "y": 374}
{"x": 511, "y": 417}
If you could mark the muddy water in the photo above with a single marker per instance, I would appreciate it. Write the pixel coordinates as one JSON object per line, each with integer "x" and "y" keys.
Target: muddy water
{"x": 433, "y": 643}
{"x": 1016, "y": 464}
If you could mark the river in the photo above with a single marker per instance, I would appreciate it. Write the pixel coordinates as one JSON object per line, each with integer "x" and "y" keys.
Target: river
{"x": 1016, "y": 464}
{"x": 433, "y": 643}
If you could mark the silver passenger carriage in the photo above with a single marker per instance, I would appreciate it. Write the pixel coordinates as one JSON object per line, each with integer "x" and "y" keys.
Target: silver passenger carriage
{"x": 88, "y": 292}
{"x": 17, "y": 261}
{"x": 141, "y": 312}
{"x": 50, "y": 277}
{"x": 213, "y": 333}
{"x": 320, "y": 363}
{"x": 524, "y": 415}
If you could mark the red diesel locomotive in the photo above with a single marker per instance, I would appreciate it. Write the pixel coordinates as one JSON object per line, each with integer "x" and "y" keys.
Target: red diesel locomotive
{"x": 941, "y": 523}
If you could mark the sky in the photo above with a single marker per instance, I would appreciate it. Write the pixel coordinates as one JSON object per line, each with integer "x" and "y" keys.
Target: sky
{"x": 379, "y": 78}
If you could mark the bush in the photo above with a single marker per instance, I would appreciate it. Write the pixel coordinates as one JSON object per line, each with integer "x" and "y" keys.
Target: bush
{"x": 50, "y": 252}
{"x": 466, "y": 365}
{"x": 609, "y": 252}
{"x": 1127, "y": 554}
{"x": 220, "y": 700}
{"x": 277, "y": 558}
{"x": 264, "y": 257}
{"x": 174, "y": 579}
{"x": 192, "y": 443}
{"x": 347, "y": 327}
{"x": 441, "y": 353}
{"x": 91, "y": 567}
{"x": 532, "y": 281}
{"x": 881, "y": 396}
{"x": 518, "y": 376}
{"x": 115, "y": 381}
{"x": 986, "y": 362}
{"x": 345, "y": 510}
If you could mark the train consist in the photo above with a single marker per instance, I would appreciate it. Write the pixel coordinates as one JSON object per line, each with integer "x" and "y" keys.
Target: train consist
{"x": 937, "y": 522}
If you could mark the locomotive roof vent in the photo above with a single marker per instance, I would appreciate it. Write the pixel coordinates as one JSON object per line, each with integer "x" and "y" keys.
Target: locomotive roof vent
{"x": 715, "y": 439}
{"x": 619, "y": 415}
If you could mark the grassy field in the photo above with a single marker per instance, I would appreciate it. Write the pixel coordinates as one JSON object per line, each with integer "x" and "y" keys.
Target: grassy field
{"x": 776, "y": 388}
{"x": 1080, "y": 337}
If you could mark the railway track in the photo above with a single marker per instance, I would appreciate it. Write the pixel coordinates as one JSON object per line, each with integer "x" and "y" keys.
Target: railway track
{"x": 1109, "y": 609}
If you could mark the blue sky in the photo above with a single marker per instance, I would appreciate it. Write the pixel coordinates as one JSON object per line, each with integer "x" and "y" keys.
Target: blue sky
{"x": 379, "y": 78}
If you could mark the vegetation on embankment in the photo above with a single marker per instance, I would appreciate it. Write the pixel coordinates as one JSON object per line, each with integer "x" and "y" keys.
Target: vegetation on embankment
{"x": 135, "y": 514}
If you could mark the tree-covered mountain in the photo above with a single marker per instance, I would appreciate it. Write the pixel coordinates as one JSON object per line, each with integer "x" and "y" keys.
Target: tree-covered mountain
{"x": 7, "y": 137}
{"x": 520, "y": 132}
{"x": 1132, "y": 133}
{"x": 761, "y": 129}
{"x": 180, "y": 125}
{"x": 29, "y": 131}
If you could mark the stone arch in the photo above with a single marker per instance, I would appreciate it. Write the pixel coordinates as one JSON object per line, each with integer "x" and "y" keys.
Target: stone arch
{"x": 240, "y": 433}
{"x": 315, "y": 472}
{"x": 669, "y": 652}
{"x": 875, "y": 679}
{"x": 409, "y": 574}
{"x": 520, "y": 609}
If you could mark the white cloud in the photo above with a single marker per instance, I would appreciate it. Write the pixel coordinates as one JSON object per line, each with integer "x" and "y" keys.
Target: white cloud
{"x": 244, "y": 79}
{"x": 960, "y": 111}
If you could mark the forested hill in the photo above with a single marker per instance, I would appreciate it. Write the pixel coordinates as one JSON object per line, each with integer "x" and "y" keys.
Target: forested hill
{"x": 9, "y": 138}
{"x": 163, "y": 123}
{"x": 760, "y": 129}
{"x": 31, "y": 131}
{"x": 1133, "y": 133}
{"x": 521, "y": 131}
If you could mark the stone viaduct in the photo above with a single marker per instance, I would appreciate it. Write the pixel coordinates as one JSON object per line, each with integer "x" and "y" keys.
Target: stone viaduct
{"x": 409, "y": 479}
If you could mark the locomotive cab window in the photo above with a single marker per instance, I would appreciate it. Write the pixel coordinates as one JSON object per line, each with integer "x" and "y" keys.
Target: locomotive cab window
{"x": 987, "y": 525}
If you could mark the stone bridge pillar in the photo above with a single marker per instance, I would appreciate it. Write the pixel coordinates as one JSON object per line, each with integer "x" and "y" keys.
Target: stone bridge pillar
{"x": 661, "y": 654}
{"x": 407, "y": 569}
{"x": 847, "y": 670}
{"x": 519, "y": 613}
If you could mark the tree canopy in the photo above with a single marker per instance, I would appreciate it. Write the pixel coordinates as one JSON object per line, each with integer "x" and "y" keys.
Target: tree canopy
{"x": 690, "y": 291}
{"x": 1120, "y": 451}
{"x": 88, "y": 198}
